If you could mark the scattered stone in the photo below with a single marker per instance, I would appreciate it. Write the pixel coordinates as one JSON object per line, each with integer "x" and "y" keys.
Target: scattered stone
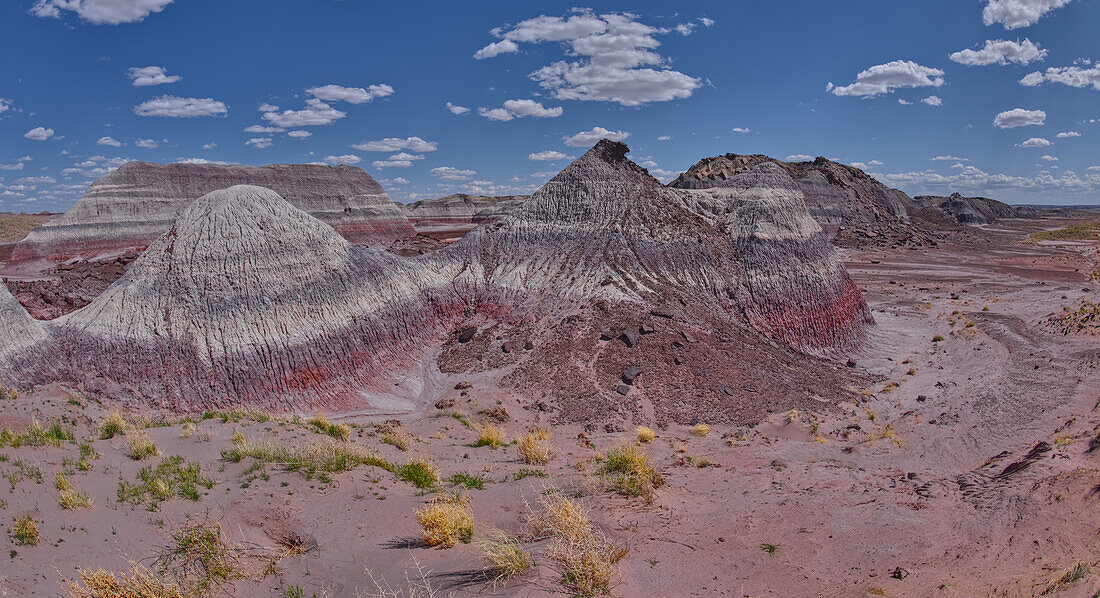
{"x": 612, "y": 427}
{"x": 647, "y": 329}
{"x": 899, "y": 573}
{"x": 507, "y": 347}
{"x": 467, "y": 334}
{"x": 727, "y": 390}
{"x": 497, "y": 414}
{"x": 463, "y": 385}
{"x": 445, "y": 403}
{"x": 661, "y": 313}
{"x": 921, "y": 398}
{"x": 629, "y": 337}
{"x": 851, "y": 363}
{"x": 631, "y": 373}
{"x": 542, "y": 406}
{"x": 528, "y": 345}
{"x": 677, "y": 360}
{"x": 622, "y": 389}
{"x": 606, "y": 335}
{"x": 687, "y": 336}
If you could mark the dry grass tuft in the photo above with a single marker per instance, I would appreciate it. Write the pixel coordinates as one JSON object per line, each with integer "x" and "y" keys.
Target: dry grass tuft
{"x": 630, "y": 471}
{"x": 1075, "y": 573}
{"x": 535, "y": 447}
{"x": 112, "y": 425}
{"x": 204, "y": 562}
{"x": 504, "y": 554}
{"x": 399, "y": 437}
{"x": 585, "y": 556}
{"x": 140, "y": 582}
{"x": 23, "y": 530}
{"x": 322, "y": 425}
{"x": 490, "y": 435}
{"x": 142, "y": 445}
{"x": 886, "y": 433}
{"x": 700, "y": 429}
{"x": 311, "y": 458}
{"x": 67, "y": 495}
{"x": 446, "y": 520}
{"x": 187, "y": 429}
{"x": 645, "y": 435}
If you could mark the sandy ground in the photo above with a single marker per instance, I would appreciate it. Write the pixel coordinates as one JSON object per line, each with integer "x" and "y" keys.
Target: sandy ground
{"x": 981, "y": 481}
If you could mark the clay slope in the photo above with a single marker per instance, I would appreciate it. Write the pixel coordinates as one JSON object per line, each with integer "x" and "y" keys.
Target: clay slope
{"x": 853, "y": 208}
{"x": 249, "y": 300}
{"x": 972, "y": 210}
{"x": 454, "y": 215}
{"x": 18, "y": 331}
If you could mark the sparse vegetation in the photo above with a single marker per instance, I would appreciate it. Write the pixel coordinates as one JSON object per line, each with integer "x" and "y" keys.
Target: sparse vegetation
{"x": 399, "y": 437}
{"x": 469, "y": 481}
{"x": 645, "y": 435}
{"x": 937, "y": 339}
{"x": 111, "y": 426}
{"x": 236, "y": 415}
{"x": 490, "y": 435}
{"x": 142, "y": 445}
{"x": 310, "y": 458}
{"x": 170, "y": 478}
{"x": 1086, "y": 231}
{"x": 585, "y": 556}
{"x": 8, "y": 394}
{"x": 322, "y": 425}
{"x": 631, "y": 473}
{"x": 187, "y": 430}
{"x": 419, "y": 472}
{"x": 36, "y": 435}
{"x": 203, "y": 561}
{"x": 23, "y": 531}
{"x": 1075, "y": 573}
{"x": 67, "y": 496}
{"x": 886, "y": 433}
{"x": 535, "y": 447}
{"x": 769, "y": 548}
{"x": 700, "y": 429}
{"x": 140, "y": 582}
{"x": 446, "y": 520}
{"x": 504, "y": 554}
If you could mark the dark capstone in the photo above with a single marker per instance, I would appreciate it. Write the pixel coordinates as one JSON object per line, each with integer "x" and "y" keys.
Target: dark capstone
{"x": 606, "y": 335}
{"x": 507, "y": 347}
{"x": 527, "y": 346}
{"x": 445, "y": 403}
{"x": 467, "y": 334}
{"x": 647, "y": 329}
{"x": 631, "y": 373}
{"x": 629, "y": 337}
{"x": 851, "y": 363}
{"x": 622, "y": 389}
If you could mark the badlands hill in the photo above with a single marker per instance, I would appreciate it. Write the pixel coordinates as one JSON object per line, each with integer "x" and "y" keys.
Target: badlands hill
{"x": 853, "y": 208}
{"x": 605, "y": 292}
{"x": 972, "y": 210}
{"x": 454, "y": 215}
{"x": 65, "y": 263}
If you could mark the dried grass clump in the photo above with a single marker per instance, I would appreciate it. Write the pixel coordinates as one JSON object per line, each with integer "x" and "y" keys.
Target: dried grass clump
{"x": 9, "y": 394}
{"x": 700, "y": 429}
{"x": 535, "y": 447}
{"x": 203, "y": 561}
{"x": 140, "y": 582}
{"x": 311, "y": 458}
{"x": 112, "y": 425}
{"x": 489, "y": 435}
{"x": 399, "y": 437}
{"x": 23, "y": 530}
{"x": 446, "y": 520}
{"x": 142, "y": 445}
{"x": 886, "y": 433}
{"x": 645, "y": 435}
{"x": 631, "y": 473}
{"x": 504, "y": 554}
{"x": 586, "y": 557}
{"x": 187, "y": 429}
{"x": 67, "y": 495}
{"x": 322, "y": 425}
{"x": 36, "y": 435}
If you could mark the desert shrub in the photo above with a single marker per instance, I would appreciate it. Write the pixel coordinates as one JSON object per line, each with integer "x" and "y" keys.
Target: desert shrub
{"x": 170, "y": 478}
{"x": 142, "y": 445}
{"x": 583, "y": 554}
{"x": 140, "y": 582}
{"x": 631, "y": 473}
{"x": 204, "y": 562}
{"x": 505, "y": 556}
{"x": 322, "y": 425}
{"x": 111, "y": 426}
{"x": 645, "y": 435}
{"x": 310, "y": 458}
{"x": 23, "y": 531}
{"x": 489, "y": 435}
{"x": 187, "y": 430}
{"x": 469, "y": 481}
{"x": 700, "y": 429}
{"x": 67, "y": 496}
{"x": 419, "y": 472}
{"x": 235, "y": 415}
{"x": 399, "y": 437}
{"x": 36, "y": 435}
{"x": 446, "y": 520}
{"x": 8, "y": 394}
{"x": 535, "y": 447}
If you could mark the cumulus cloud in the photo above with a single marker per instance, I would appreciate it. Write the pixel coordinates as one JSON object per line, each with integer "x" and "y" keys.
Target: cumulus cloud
{"x": 95, "y": 166}
{"x": 664, "y": 138}
{"x": 932, "y": 101}
{"x": 391, "y": 163}
{"x": 1049, "y": 158}
{"x": 1014, "y": 14}
{"x": 1036, "y": 142}
{"x": 885, "y": 78}
{"x": 799, "y": 158}
{"x": 972, "y": 179}
{"x": 904, "y": 102}
{"x": 685, "y": 29}
{"x": 866, "y": 165}
{"x": 207, "y": 146}
{"x": 518, "y": 109}
{"x": 344, "y": 159}
{"x": 395, "y": 181}
{"x": 455, "y": 109}
{"x": 12, "y": 166}
{"x": 351, "y": 95}
{"x": 589, "y": 138}
{"x": 396, "y": 144}
{"x": 39, "y": 134}
{"x": 1067, "y": 134}
{"x": 504, "y": 46}
{"x": 1001, "y": 52}
{"x": 612, "y": 58}
{"x": 176, "y": 107}
{"x": 111, "y": 141}
{"x": 547, "y": 156}
{"x": 146, "y": 143}
{"x": 1073, "y": 76}
{"x": 100, "y": 12}
{"x": 1018, "y": 117}
{"x": 151, "y": 75}
{"x": 259, "y": 142}
{"x": 450, "y": 173}
{"x": 199, "y": 161}
{"x": 299, "y": 134}
{"x": 950, "y": 158}
{"x": 315, "y": 113}
{"x": 262, "y": 129}
{"x": 740, "y": 130}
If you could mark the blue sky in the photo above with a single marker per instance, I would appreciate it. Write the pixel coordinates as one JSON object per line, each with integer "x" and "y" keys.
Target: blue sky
{"x": 88, "y": 84}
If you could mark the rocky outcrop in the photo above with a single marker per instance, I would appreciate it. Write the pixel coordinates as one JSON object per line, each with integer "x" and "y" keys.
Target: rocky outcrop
{"x": 18, "y": 330}
{"x": 124, "y": 211}
{"x": 452, "y": 216}
{"x": 852, "y": 208}
{"x": 972, "y": 210}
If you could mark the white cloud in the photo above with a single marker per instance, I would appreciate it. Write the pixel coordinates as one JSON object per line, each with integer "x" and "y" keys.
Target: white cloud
{"x": 904, "y": 102}
{"x": 685, "y": 29}
{"x": 345, "y": 159}
{"x": 151, "y": 75}
{"x": 455, "y": 109}
{"x": 706, "y": 22}
{"x": 505, "y": 46}
{"x": 547, "y": 156}
{"x": 648, "y": 164}
{"x": 176, "y": 107}
{"x": 612, "y": 59}
{"x": 932, "y": 101}
{"x": 405, "y": 156}
{"x": 950, "y": 158}
{"x": 100, "y": 12}
{"x": 740, "y": 130}
{"x": 1018, "y": 117}
{"x": 259, "y": 142}
{"x": 1072, "y": 76}
{"x": 1014, "y": 14}
{"x": 1036, "y": 142}
{"x": 391, "y": 163}
{"x": 1001, "y": 52}
{"x": 885, "y": 78}
{"x": 111, "y": 141}
{"x": 351, "y": 95}
{"x": 799, "y": 158}
{"x": 95, "y": 166}
{"x": 663, "y": 175}
{"x": 5, "y": 105}
{"x": 395, "y": 181}
{"x": 199, "y": 161}
{"x": 518, "y": 109}
{"x": 262, "y": 129}
{"x": 39, "y": 134}
{"x": 1067, "y": 134}
{"x": 265, "y": 107}
{"x": 36, "y": 180}
{"x": 1049, "y": 158}
{"x": 664, "y": 138}
{"x": 299, "y": 134}
{"x": 589, "y": 138}
{"x": 450, "y": 173}
{"x": 207, "y": 146}
{"x": 396, "y": 144}
{"x": 315, "y": 113}
{"x": 1093, "y": 168}
{"x": 146, "y": 143}
{"x": 866, "y": 165}
{"x": 12, "y": 166}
